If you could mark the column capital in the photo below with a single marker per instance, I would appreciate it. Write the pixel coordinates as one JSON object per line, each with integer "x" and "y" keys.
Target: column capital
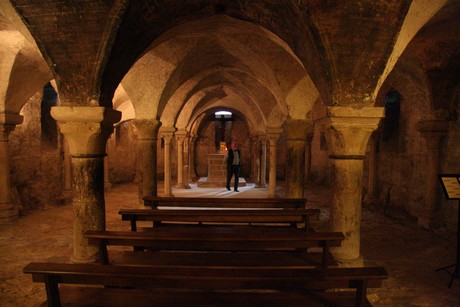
{"x": 147, "y": 129}
{"x": 347, "y": 130}
{"x": 432, "y": 131}
{"x": 181, "y": 134}
{"x": 8, "y": 122}
{"x": 86, "y": 128}
{"x": 273, "y": 134}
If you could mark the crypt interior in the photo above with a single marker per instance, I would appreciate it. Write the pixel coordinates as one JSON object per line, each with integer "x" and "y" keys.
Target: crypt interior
{"x": 357, "y": 99}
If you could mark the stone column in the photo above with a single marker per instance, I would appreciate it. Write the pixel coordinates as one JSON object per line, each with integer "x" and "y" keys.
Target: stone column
{"x": 8, "y": 212}
{"x": 273, "y": 135}
{"x": 86, "y": 130}
{"x": 167, "y": 134}
{"x": 370, "y": 196}
{"x": 255, "y": 159}
{"x": 296, "y": 138}
{"x": 347, "y": 132}
{"x": 192, "y": 151}
{"x": 107, "y": 184}
{"x": 433, "y": 131}
{"x": 67, "y": 192}
{"x": 308, "y": 157}
{"x": 187, "y": 162}
{"x": 146, "y": 159}
{"x": 180, "y": 138}
{"x": 262, "y": 183}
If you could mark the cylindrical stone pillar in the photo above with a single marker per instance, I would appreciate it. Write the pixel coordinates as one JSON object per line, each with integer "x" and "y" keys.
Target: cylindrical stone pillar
{"x": 263, "y": 163}
{"x": 308, "y": 157}
{"x": 273, "y": 135}
{"x": 8, "y": 212}
{"x": 67, "y": 192}
{"x": 167, "y": 135}
{"x": 187, "y": 162}
{"x": 433, "y": 131}
{"x": 146, "y": 148}
{"x": 372, "y": 172}
{"x": 87, "y": 130}
{"x": 296, "y": 137}
{"x": 180, "y": 138}
{"x": 347, "y": 133}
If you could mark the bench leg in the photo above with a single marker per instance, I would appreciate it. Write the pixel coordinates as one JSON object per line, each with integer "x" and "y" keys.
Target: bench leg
{"x": 325, "y": 252}
{"x": 52, "y": 291}
{"x": 361, "y": 292}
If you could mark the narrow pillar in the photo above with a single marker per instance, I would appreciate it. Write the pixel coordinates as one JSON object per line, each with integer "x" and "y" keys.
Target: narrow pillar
{"x": 370, "y": 197}
{"x": 67, "y": 192}
{"x": 107, "y": 184}
{"x": 146, "y": 149}
{"x": 347, "y": 132}
{"x": 192, "y": 150}
{"x": 187, "y": 161}
{"x": 167, "y": 134}
{"x": 8, "y": 212}
{"x": 296, "y": 139}
{"x": 180, "y": 138}
{"x": 87, "y": 130}
{"x": 255, "y": 159}
{"x": 261, "y": 161}
{"x": 308, "y": 157}
{"x": 433, "y": 131}
{"x": 273, "y": 135}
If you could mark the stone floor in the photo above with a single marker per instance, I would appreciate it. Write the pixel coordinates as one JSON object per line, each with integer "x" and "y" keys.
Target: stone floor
{"x": 393, "y": 240}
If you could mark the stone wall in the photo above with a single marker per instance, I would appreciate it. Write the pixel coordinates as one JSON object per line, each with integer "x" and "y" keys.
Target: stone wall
{"x": 36, "y": 167}
{"x": 121, "y": 149}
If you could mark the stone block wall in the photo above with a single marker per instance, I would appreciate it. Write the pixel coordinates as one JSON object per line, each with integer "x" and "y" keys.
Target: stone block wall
{"x": 36, "y": 168}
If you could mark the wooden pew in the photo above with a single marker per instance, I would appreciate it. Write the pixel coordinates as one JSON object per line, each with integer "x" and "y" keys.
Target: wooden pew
{"x": 215, "y": 238}
{"x": 199, "y": 286}
{"x": 212, "y": 202}
{"x": 294, "y": 217}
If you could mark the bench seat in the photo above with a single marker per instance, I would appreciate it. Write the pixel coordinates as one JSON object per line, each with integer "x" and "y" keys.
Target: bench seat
{"x": 204, "y": 285}
{"x": 292, "y": 217}
{"x": 209, "y": 202}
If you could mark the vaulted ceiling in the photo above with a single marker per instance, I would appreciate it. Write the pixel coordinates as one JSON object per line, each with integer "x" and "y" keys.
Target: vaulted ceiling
{"x": 271, "y": 59}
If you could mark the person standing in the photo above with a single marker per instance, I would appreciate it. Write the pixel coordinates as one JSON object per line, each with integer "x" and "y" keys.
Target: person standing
{"x": 233, "y": 158}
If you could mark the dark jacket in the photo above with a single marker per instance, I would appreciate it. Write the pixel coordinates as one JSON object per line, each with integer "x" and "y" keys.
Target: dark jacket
{"x": 231, "y": 156}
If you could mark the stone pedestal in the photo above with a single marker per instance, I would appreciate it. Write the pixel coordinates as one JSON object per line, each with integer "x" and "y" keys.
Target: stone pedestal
{"x": 347, "y": 133}
{"x": 167, "y": 135}
{"x": 8, "y": 212}
{"x": 296, "y": 135}
{"x": 273, "y": 135}
{"x": 433, "y": 131}
{"x": 86, "y": 130}
{"x": 146, "y": 159}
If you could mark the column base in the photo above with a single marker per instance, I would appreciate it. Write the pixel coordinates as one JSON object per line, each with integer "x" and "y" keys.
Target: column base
{"x": 351, "y": 263}
{"x": 8, "y": 213}
{"x": 182, "y": 186}
{"x": 260, "y": 185}
{"x": 84, "y": 260}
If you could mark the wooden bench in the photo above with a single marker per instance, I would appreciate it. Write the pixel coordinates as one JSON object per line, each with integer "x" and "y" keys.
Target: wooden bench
{"x": 217, "y": 239}
{"x": 203, "y": 286}
{"x": 294, "y": 217}
{"x": 212, "y": 202}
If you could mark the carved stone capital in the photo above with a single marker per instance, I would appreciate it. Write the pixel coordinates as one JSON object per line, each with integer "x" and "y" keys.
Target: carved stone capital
{"x": 347, "y": 130}
{"x": 147, "y": 129}
{"x": 167, "y": 133}
{"x": 8, "y": 122}
{"x": 86, "y": 128}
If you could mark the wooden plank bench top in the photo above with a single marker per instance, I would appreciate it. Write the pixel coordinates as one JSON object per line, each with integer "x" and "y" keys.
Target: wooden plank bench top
{"x": 296, "y": 286}
{"x": 291, "y": 216}
{"x": 221, "y": 259}
{"x": 217, "y": 239}
{"x": 225, "y": 202}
